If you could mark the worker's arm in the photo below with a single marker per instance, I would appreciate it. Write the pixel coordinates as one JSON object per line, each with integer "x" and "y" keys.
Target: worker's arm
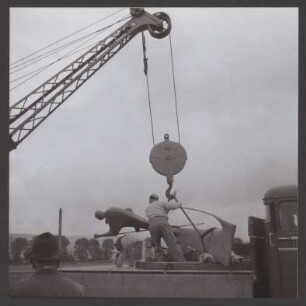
{"x": 174, "y": 205}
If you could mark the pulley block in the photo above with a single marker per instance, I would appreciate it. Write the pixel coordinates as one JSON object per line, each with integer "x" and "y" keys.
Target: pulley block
{"x": 164, "y": 30}
{"x": 168, "y": 157}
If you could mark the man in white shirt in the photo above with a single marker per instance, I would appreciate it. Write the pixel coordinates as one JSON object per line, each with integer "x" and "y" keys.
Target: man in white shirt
{"x": 157, "y": 213}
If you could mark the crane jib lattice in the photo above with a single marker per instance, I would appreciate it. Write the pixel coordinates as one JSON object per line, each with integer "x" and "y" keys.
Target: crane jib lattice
{"x": 29, "y": 112}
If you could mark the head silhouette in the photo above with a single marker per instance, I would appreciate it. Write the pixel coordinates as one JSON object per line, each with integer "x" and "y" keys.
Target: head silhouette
{"x": 100, "y": 215}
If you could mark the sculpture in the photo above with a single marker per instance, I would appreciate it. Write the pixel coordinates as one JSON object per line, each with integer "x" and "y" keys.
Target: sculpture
{"x": 118, "y": 218}
{"x": 217, "y": 241}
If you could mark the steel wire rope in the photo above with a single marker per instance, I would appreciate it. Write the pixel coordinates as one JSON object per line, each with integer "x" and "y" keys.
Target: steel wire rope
{"x": 67, "y": 36}
{"x": 64, "y": 56}
{"x": 145, "y": 61}
{"x": 175, "y": 89}
{"x": 45, "y": 55}
{"x": 53, "y": 51}
{"x": 41, "y": 69}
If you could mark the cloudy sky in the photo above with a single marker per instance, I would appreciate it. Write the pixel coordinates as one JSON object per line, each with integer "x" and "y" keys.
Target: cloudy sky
{"x": 236, "y": 75}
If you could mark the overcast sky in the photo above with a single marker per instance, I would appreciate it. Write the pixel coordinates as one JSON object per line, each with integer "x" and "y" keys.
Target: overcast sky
{"x": 236, "y": 73}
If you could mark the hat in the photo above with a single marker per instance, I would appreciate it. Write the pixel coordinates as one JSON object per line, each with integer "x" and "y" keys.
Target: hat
{"x": 100, "y": 214}
{"x": 45, "y": 248}
{"x": 153, "y": 196}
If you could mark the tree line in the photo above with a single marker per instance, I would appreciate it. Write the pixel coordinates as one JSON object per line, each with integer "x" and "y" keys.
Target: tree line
{"x": 83, "y": 250}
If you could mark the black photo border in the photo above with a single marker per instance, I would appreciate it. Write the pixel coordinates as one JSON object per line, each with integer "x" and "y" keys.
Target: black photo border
{"x": 4, "y": 152}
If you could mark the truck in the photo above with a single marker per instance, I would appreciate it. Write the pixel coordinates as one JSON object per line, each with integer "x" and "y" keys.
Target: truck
{"x": 274, "y": 244}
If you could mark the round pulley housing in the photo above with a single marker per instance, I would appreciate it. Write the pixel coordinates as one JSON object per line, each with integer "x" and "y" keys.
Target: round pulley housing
{"x": 160, "y": 32}
{"x": 168, "y": 157}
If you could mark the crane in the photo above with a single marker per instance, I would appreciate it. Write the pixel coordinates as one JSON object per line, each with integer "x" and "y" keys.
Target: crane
{"x": 33, "y": 109}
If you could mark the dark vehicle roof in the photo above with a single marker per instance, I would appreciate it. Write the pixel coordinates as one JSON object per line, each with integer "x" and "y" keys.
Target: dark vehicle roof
{"x": 288, "y": 191}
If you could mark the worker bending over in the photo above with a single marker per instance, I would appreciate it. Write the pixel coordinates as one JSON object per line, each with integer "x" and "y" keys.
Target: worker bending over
{"x": 157, "y": 213}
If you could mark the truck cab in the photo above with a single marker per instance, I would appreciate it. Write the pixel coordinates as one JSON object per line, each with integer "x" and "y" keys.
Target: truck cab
{"x": 274, "y": 244}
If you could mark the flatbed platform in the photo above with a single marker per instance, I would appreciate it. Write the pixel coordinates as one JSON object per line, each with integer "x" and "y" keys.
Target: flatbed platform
{"x": 145, "y": 265}
{"x": 107, "y": 280}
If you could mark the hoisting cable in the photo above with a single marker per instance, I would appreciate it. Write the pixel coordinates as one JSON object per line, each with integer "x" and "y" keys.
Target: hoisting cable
{"x": 42, "y": 68}
{"x": 59, "y": 48}
{"x": 37, "y": 71}
{"x": 51, "y": 52}
{"x": 145, "y": 70}
{"x": 71, "y": 52}
{"x": 175, "y": 90}
{"x": 65, "y": 37}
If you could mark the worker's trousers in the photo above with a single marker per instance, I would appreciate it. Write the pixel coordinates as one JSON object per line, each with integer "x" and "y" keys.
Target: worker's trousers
{"x": 159, "y": 228}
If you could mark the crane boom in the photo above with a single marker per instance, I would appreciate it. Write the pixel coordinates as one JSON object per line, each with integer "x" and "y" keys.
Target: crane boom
{"x": 29, "y": 112}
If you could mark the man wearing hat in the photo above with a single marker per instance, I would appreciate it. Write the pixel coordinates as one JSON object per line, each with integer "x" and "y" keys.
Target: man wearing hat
{"x": 47, "y": 281}
{"x": 157, "y": 213}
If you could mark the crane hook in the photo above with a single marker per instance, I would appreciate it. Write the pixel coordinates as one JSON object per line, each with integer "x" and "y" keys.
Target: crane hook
{"x": 170, "y": 196}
